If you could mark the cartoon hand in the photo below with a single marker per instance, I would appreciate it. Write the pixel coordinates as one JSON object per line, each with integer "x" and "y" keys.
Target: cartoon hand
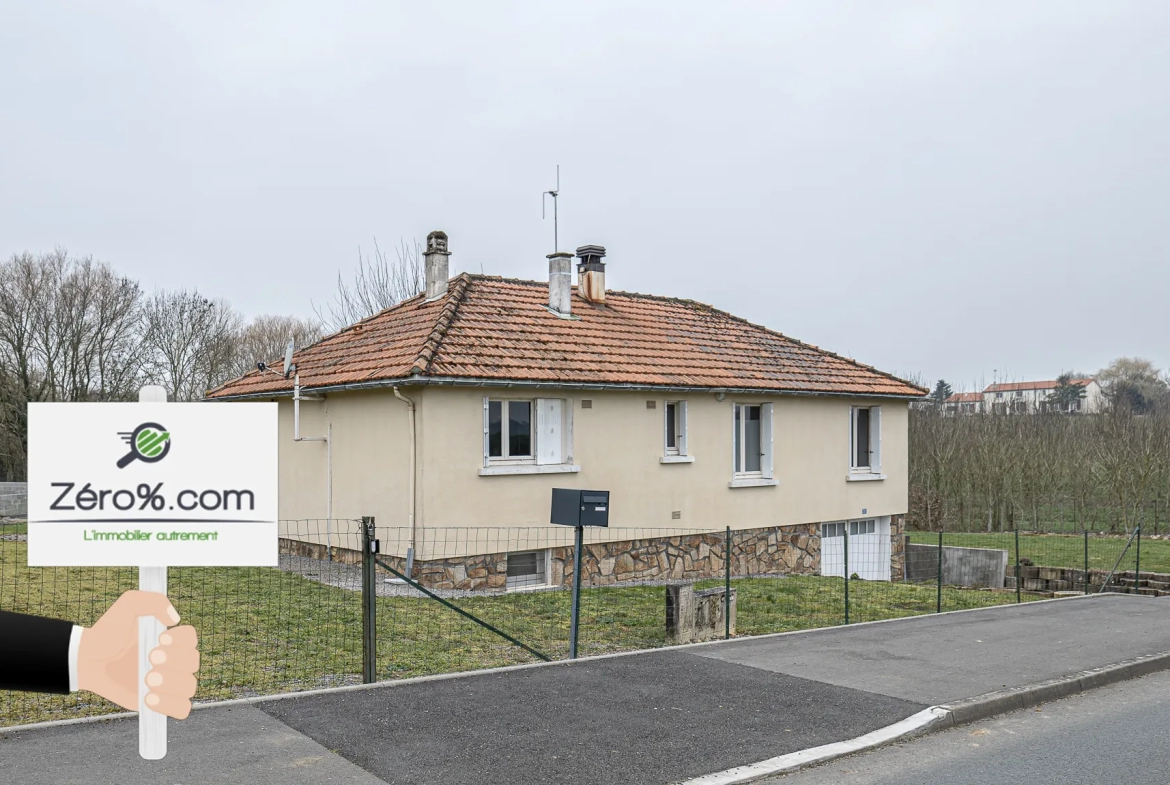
{"x": 107, "y": 658}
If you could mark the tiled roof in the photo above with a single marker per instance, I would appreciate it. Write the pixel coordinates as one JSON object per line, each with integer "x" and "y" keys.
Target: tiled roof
{"x": 1048, "y": 385}
{"x": 966, "y": 397}
{"x": 497, "y": 329}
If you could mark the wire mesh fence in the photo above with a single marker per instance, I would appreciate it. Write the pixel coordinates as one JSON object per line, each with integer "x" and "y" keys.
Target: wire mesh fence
{"x": 448, "y": 600}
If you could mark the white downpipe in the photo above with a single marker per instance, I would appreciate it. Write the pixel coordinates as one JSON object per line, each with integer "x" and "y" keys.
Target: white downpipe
{"x": 410, "y": 410}
{"x": 328, "y": 439}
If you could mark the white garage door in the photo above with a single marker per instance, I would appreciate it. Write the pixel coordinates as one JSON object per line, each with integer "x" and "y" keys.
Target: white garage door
{"x": 869, "y": 548}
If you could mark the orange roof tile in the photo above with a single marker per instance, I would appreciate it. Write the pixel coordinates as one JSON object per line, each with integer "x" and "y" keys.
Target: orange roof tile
{"x": 494, "y": 329}
{"x": 1045, "y": 385}
{"x": 965, "y": 397}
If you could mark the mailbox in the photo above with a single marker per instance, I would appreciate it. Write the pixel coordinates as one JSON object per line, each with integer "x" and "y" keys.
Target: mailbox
{"x": 571, "y": 507}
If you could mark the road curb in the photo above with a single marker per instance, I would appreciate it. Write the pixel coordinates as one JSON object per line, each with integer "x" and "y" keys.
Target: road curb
{"x": 1002, "y": 701}
{"x": 944, "y": 716}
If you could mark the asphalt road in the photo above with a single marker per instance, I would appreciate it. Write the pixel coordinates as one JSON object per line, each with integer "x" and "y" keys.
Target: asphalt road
{"x": 1116, "y": 734}
{"x": 935, "y": 659}
{"x": 644, "y": 720}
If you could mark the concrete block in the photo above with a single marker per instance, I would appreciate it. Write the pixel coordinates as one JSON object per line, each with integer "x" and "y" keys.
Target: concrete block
{"x": 693, "y": 616}
{"x": 960, "y": 566}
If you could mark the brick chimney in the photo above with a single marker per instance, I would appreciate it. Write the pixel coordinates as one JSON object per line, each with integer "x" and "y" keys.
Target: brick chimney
{"x": 560, "y": 283}
{"x": 591, "y": 273}
{"x": 437, "y": 268}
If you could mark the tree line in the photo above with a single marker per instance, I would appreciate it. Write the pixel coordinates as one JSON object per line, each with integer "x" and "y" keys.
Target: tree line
{"x": 74, "y": 329}
{"x": 990, "y": 471}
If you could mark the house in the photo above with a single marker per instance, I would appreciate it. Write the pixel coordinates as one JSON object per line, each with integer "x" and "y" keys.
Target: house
{"x": 452, "y": 415}
{"x": 1032, "y": 397}
{"x": 964, "y": 403}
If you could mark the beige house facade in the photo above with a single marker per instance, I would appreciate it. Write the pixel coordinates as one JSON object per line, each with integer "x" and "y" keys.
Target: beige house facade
{"x": 458, "y": 470}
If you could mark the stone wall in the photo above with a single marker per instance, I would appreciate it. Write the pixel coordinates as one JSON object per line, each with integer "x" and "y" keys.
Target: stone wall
{"x": 897, "y": 548}
{"x": 774, "y": 551}
{"x": 787, "y": 550}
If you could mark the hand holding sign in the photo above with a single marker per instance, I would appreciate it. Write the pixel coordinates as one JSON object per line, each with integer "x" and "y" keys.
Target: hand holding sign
{"x": 98, "y": 505}
{"x": 107, "y": 658}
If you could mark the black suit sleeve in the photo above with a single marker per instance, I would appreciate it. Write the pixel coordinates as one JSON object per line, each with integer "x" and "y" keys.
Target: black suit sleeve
{"x": 34, "y": 653}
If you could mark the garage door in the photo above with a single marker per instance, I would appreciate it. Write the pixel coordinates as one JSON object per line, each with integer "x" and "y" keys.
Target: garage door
{"x": 869, "y": 548}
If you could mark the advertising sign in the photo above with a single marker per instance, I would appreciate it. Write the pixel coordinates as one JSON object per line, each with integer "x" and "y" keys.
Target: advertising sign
{"x": 161, "y": 484}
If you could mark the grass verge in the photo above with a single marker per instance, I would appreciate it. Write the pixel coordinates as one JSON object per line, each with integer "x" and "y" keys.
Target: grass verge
{"x": 264, "y": 631}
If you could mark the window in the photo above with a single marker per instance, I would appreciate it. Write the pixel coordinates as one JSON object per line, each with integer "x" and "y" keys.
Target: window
{"x": 752, "y": 441}
{"x": 837, "y": 529}
{"x": 526, "y": 569}
{"x": 999, "y": 395}
{"x": 675, "y": 428}
{"x": 862, "y": 527}
{"x": 509, "y": 429}
{"x": 533, "y": 433}
{"x": 865, "y": 440}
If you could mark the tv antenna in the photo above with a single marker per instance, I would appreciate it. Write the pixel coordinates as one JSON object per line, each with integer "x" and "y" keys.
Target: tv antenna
{"x": 554, "y": 195}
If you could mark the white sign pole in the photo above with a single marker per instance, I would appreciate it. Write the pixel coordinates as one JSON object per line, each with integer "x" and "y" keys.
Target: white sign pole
{"x": 152, "y": 725}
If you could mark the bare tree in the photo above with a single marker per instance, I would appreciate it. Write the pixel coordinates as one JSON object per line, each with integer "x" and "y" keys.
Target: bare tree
{"x": 193, "y": 342}
{"x": 68, "y": 332}
{"x": 266, "y": 337}
{"x": 378, "y": 284}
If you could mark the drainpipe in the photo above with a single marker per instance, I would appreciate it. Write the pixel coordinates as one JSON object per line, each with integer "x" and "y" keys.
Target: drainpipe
{"x": 328, "y": 439}
{"x": 410, "y": 551}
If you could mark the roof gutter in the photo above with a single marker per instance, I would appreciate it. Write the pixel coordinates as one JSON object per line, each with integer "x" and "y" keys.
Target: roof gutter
{"x": 452, "y": 381}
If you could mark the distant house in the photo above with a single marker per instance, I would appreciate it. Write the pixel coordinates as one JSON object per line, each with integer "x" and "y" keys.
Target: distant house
{"x": 1033, "y": 397}
{"x": 452, "y": 415}
{"x": 964, "y": 403}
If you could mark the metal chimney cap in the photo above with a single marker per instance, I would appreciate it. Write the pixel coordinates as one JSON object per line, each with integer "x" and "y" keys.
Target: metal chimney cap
{"x": 595, "y": 251}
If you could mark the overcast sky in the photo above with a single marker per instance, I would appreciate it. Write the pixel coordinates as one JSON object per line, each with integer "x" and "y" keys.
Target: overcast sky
{"x": 942, "y": 188}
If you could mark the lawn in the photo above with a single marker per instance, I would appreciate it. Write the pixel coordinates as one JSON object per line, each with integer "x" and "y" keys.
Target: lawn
{"x": 1060, "y": 550}
{"x": 264, "y": 630}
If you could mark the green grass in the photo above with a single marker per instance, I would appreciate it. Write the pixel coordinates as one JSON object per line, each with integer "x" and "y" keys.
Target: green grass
{"x": 1060, "y": 550}
{"x": 14, "y": 528}
{"x": 264, "y": 631}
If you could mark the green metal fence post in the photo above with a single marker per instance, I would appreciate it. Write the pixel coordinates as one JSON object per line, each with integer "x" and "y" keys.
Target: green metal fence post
{"x": 576, "y": 595}
{"x": 1086, "y": 561}
{"x": 369, "y": 601}
{"x": 938, "y": 602}
{"x": 1019, "y": 598}
{"x": 727, "y": 586}
{"x": 1137, "y": 564}
{"x": 846, "y": 573}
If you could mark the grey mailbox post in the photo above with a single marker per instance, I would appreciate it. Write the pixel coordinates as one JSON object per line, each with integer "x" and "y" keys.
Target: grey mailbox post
{"x": 578, "y": 508}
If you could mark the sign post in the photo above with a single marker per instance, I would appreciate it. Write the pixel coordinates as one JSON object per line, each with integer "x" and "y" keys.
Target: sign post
{"x": 152, "y": 725}
{"x": 153, "y": 485}
{"x": 577, "y": 508}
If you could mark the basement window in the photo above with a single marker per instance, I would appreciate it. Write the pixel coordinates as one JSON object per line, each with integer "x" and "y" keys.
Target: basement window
{"x": 526, "y": 570}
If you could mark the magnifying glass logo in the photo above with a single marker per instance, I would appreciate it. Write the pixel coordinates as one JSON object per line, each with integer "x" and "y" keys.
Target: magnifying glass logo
{"x": 149, "y": 443}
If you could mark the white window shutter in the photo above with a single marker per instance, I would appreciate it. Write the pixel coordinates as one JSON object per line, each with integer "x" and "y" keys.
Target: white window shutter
{"x": 682, "y": 427}
{"x": 875, "y": 439}
{"x": 766, "y": 450}
{"x": 485, "y": 431}
{"x": 548, "y": 431}
{"x": 567, "y": 428}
